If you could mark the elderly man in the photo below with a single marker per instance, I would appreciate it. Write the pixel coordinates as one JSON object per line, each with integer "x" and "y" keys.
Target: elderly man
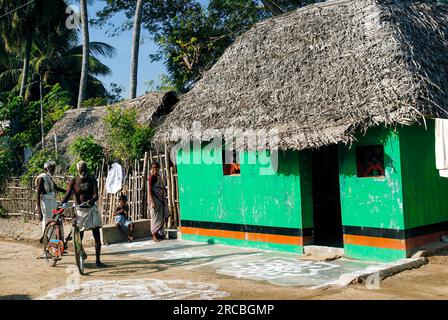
{"x": 84, "y": 188}
{"x": 46, "y": 194}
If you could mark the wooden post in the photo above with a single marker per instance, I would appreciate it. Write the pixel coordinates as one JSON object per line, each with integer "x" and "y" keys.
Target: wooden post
{"x": 144, "y": 188}
{"x": 172, "y": 199}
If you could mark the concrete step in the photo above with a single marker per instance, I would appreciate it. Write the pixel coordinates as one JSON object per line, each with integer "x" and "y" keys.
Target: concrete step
{"x": 172, "y": 234}
{"x": 110, "y": 234}
{"x": 321, "y": 251}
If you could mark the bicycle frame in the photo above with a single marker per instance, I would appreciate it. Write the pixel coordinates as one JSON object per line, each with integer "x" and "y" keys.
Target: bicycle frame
{"x": 58, "y": 219}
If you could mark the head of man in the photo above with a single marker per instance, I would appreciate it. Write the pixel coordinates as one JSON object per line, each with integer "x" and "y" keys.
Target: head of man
{"x": 81, "y": 166}
{"x": 50, "y": 167}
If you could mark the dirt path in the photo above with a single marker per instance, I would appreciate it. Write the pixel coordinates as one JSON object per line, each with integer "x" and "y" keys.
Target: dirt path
{"x": 23, "y": 276}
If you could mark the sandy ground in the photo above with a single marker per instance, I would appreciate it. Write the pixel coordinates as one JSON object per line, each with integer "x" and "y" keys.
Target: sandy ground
{"x": 29, "y": 231}
{"x": 23, "y": 276}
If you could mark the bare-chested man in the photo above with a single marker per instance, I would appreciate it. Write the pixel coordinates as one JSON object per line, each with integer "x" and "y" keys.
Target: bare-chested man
{"x": 84, "y": 188}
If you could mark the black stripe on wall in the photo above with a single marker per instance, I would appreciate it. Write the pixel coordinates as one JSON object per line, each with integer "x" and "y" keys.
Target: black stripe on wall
{"x": 394, "y": 233}
{"x": 247, "y": 228}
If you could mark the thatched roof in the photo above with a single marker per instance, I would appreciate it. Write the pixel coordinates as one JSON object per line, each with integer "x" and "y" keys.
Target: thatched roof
{"x": 322, "y": 72}
{"x": 151, "y": 108}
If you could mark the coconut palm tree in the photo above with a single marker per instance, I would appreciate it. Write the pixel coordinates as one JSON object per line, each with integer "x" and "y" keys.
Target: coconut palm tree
{"x": 135, "y": 48}
{"x": 85, "y": 52}
{"x": 23, "y": 20}
{"x": 58, "y": 64}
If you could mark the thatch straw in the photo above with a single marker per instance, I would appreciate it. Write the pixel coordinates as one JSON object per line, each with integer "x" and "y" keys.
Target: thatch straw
{"x": 151, "y": 109}
{"x": 322, "y": 72}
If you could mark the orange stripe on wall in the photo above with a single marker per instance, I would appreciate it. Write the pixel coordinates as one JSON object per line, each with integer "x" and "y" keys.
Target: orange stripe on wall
{"x": 375, "y": 242}
{"x": 261, "y": 237}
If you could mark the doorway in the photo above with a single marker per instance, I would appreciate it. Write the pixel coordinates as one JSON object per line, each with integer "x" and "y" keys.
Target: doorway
{"x": 326, "y": 197}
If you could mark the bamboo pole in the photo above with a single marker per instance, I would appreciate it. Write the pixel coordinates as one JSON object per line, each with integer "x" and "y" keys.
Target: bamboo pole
{"x": 144, "y": 188}
{"x": 172, "y": 200}
{"x": 168, "y": 189}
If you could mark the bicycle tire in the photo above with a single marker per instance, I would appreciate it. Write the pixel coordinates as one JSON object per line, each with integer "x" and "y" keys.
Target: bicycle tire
{"x": 77, "y": 246}
{"x": 51, "y": 232}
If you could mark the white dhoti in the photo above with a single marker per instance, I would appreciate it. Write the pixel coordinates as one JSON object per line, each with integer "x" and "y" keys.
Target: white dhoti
{"x": 88, "y": 218}
{"x": 47, "y": 205}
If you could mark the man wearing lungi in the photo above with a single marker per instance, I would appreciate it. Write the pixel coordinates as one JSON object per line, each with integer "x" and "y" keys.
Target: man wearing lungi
{"x": 46, "y": 194}
{"x": 85, "y": 190}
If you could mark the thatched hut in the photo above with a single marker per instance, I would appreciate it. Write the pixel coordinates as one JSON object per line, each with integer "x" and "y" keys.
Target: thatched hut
{"x": 151, "y": 108}
{"x": 350, "y": 90}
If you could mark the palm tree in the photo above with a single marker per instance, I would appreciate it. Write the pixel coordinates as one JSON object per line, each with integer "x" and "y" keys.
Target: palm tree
{"x": 85, "y": 53}
{"x": 23, "y": 21}
{"x": 135, "y": 48}
{"x": 58, "y": 62}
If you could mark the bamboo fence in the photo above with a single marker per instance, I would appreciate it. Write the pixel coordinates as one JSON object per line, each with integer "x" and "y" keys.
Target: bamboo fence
{"x": 135, "y": 186}
{"x": 19, "y": 199}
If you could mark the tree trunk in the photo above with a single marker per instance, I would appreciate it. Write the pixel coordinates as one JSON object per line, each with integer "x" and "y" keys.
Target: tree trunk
{"x": 26, "y": 61}
{"x": 135, "y": 49}
{"x": 273, "y": 7}
{"x": 85, "y": 53}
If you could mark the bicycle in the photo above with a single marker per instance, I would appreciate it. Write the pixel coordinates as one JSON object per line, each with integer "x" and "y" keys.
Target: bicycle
{"x": 54, "y": 243}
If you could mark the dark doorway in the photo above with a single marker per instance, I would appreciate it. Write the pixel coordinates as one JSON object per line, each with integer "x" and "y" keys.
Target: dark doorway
{"x": 326, "y": 198}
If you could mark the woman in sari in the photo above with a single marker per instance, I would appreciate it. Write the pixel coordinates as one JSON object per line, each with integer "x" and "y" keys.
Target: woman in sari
{"x": 157, "y": 201}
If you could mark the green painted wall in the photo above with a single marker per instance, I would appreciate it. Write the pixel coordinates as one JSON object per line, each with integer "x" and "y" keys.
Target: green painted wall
{"x": 251, "y": 198}
{"x": 425, "y": 192}
{"x": 372, "y": 202}
{"x": 306, "y": 189}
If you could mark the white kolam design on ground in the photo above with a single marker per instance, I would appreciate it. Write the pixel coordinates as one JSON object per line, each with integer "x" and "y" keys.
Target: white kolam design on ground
{"x": 137, "y": 289}
{"x": 275, "y": 268}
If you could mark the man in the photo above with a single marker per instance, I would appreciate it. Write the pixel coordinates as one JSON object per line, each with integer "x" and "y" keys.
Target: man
{"x": 46, "y": 194}
{"x": 84, "y": 188}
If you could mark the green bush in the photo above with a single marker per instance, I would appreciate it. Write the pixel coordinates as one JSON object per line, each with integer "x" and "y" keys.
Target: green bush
{"x": 3, "y": 213}
{"x": 35, "y": 165}
{"x": 54, "y": 103}
{"x": 7, "y": 159}
{"x": 88, "y": 150}
{"x": 127, "y": 139}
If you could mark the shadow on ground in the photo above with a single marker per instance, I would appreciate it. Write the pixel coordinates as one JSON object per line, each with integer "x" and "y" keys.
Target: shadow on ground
{"x": 16, "y": 297}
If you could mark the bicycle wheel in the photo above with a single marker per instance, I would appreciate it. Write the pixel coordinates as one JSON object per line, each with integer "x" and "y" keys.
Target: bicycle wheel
{"x": 77, "y": 246}
{"x": 51, "y": 232}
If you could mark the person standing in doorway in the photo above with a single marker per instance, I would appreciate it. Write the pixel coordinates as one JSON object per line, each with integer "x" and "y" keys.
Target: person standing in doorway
{"x": 157, "y": 201}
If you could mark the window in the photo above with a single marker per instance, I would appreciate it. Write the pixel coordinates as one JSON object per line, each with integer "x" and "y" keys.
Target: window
{"x": 230, "y": 163}
{"x": 370, "y": 161}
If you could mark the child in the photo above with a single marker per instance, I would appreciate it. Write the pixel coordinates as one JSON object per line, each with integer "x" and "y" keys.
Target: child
{"x": 121, "y": 218}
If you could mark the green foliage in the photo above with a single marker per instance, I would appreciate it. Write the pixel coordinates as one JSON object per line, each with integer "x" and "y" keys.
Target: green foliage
{"x": 55, "y": 50}
{"x": 35, "y": 164}
{"x": 115, "y": 93}
{"x": 27, "y": 128}
{"x": 164, "y": 83}
{"x": 7, "y": 159}
{"x": 127, "y": 139}
{"x": 94, "y": 102}
{"x": 3, "y": 213}
{"x": 87, "y": 149}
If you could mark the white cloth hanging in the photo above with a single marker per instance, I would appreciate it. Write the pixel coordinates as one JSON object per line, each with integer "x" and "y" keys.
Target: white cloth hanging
{"x": 114, "y": 179}
{"x": 441, "y": 140}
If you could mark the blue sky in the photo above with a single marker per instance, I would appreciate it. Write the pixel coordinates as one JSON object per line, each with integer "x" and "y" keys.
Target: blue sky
{"x": 120, "y": 64}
